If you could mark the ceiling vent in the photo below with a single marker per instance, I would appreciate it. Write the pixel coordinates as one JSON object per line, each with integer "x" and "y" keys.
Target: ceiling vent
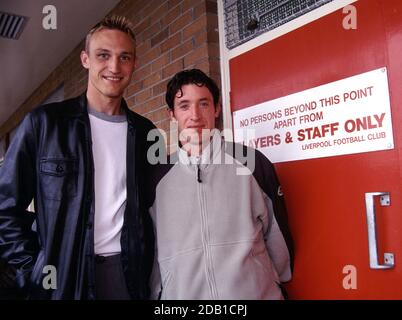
{"x": 11, "y": 25}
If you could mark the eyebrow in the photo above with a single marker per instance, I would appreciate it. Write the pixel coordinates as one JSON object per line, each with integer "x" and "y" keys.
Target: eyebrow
{"x": 182, "y": 102}
{"x": 201, "y": 99}
{"x": 108, "y": 51}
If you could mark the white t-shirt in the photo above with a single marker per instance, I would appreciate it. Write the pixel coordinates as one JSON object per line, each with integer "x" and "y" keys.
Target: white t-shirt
{"x": 109, "y": 147}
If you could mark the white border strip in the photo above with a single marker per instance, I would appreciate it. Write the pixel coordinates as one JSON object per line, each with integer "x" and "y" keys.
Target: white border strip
{"x": 225, "y": 73}
{"x": 226, "y": 54}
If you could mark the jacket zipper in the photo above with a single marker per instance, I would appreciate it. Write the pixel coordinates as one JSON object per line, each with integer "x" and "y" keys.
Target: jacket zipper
{"x": 198, "y": 174}
{"x": 205, "y": 236}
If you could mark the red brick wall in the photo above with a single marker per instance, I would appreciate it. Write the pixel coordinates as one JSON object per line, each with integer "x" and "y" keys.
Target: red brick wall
{"x": 171, "y": 36}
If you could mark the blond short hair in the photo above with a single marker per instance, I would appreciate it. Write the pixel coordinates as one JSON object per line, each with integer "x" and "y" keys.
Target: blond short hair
{"x": 114, "y": 23}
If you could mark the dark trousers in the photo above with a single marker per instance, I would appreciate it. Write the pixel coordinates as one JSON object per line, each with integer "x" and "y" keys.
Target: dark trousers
{"x": 110, "y": 282}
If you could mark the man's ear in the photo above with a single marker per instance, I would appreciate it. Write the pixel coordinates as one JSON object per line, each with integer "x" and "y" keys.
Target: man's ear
{"x": 84, "y": 59}
{"x": 217, "y": 110}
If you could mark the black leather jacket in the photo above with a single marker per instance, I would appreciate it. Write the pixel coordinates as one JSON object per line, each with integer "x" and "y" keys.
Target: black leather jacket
{"x": 50, "y": 160}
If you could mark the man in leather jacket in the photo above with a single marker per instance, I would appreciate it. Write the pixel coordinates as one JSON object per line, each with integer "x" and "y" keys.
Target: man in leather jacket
{"x": 83, "y": 161}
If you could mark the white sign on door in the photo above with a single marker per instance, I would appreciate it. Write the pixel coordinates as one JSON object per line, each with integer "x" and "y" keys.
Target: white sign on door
{"x": 352, "y": 115}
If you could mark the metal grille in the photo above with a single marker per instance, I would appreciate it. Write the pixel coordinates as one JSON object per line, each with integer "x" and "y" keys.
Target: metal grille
{"x": 11, "y": 25}
{"x": 247, "y": 19}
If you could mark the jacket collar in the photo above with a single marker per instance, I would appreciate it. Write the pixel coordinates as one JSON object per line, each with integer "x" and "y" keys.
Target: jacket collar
{"x": 80, "y": 108}
{"x": 211, "y": 154}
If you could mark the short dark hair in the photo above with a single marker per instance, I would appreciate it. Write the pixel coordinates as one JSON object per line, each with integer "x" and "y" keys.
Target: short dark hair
{"x": 113, "y": 22}
{"x": 192, "y": 76}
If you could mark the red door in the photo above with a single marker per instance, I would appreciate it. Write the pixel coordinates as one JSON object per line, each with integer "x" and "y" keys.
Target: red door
{"x": 326, "y": 196}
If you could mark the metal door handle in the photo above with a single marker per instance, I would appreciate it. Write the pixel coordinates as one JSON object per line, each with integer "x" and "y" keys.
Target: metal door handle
{"x": 385, "y": 200}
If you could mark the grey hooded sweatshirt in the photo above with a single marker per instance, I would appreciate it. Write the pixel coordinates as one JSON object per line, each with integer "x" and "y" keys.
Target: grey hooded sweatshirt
{"x": 221, "y": 226}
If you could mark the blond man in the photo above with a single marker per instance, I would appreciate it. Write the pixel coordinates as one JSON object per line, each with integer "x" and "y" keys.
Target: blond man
{"x": 83, "y": 161}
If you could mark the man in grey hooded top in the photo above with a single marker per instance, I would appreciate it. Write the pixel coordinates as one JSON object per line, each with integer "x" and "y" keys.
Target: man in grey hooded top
{"x": 220, "y": 218}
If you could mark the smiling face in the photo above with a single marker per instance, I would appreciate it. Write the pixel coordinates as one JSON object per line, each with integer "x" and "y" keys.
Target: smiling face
{"x": 195, "y": 113}
{"x": 110, "y": 60}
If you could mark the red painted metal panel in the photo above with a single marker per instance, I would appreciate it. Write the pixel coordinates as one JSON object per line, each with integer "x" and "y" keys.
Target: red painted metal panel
{"x": 325, "y": 196}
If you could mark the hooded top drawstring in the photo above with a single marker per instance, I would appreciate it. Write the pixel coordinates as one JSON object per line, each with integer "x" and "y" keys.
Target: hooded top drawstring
{"x": 199, "y": 173}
